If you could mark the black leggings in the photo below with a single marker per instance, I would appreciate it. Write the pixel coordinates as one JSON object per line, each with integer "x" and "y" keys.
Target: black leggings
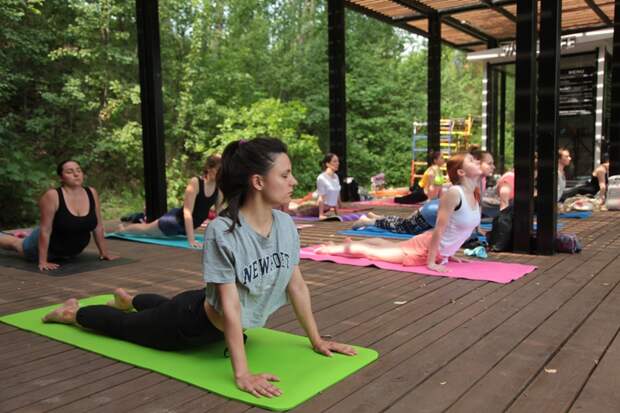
{"x": 158, "y": 322}
{"x": 590, "y": 188}
{"x": 415, "y": 224}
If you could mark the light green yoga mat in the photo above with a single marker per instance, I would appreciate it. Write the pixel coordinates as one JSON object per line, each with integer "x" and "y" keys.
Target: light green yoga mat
{"x": 177, "y": 241}
{"x": 302, "y": 372}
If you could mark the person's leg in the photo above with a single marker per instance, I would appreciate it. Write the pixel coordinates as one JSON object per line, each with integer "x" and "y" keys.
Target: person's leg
{"x": 12, "y": 243}
{"x": 414, "y": 224}
{"x": 125, "y": 301}
{"x": 373, "y": 248}
{"x": 152, "y": 228}
{"x": 363, "y": 221}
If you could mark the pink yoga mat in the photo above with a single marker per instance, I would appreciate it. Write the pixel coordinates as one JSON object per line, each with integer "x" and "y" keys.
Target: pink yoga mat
{"x": 498, "y": 272}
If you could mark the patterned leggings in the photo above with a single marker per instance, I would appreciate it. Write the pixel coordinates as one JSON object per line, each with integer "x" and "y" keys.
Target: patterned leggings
{"x": 414, "y": 224}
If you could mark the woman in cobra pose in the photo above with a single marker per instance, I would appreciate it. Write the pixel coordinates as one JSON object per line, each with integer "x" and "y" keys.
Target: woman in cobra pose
{"x": 69, "y": 214}
{"x": 458, "y": 216}
{"x": 250, "y": 267}
{"x": 201, "y": 194}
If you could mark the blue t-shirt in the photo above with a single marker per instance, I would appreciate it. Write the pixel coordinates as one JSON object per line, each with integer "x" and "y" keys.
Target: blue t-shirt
{"x": 260, "y": 266}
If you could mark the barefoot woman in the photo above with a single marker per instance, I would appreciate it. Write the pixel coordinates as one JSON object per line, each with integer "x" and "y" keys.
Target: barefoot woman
{"x": 69, "y": 214}
{"x": 251, "y": 258}
{"x": 458, "y": 216}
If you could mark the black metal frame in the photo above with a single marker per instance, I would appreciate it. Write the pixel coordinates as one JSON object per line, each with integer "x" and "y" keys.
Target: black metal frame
{"x": 434, "y": 82}
{"x": 491, "y": 100}
{"x": 525, "y": 118}
{"x": 614, "y": 121}
{"x": 337, "y": 82}
{"x": 423, "y": 11}
{"x": 501, "y": 154}
{"x": 154, "y": 152}
{"x": 548, "y": 122}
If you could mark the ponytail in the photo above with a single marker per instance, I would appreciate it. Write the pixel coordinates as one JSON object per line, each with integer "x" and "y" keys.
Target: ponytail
{"x": 242, "y": 159}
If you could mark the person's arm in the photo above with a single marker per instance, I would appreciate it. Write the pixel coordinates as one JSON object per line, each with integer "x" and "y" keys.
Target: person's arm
{"x": 430, "y": 182}
{"x": 321, "y": 191}
{"x": 256, "y": 384}
{"x": 98, "y": 232}
{"x": 504, "y": 192}
{"x": 48, "y": 205}
{"x": 219, "y": 204}
{"x": 448, "y": 202}
{"x": 188, "y": 209}
{"x": 300, "y": 299}
{"x": 600, "y": 174}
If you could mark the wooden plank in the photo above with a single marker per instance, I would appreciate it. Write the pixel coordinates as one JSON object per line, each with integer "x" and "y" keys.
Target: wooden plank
{"x": 416, "y": 366}
{"x": 549, "y": 320}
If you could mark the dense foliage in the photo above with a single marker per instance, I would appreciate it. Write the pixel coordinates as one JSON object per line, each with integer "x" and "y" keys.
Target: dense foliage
{"x": 231, "y": 68}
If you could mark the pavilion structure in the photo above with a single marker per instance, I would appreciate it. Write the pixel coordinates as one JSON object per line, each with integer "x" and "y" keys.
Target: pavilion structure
{"x": 532, "y": 34}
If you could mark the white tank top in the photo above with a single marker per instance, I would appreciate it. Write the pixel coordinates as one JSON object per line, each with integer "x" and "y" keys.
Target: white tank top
{"x": 460, "y": 226}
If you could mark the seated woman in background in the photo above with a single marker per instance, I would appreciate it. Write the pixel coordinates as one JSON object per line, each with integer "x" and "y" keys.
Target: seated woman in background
{"x": 69, "y": 214}
{"x": 328, "y": 185}
{"x": 326, "y": 198}
{"x": 201, "y": 194}
{"x": 430, "y": 184}
{"x": 458, "y": 216}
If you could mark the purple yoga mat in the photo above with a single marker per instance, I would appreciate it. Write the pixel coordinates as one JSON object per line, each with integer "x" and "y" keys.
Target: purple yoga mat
{"x": 499, "y": 272}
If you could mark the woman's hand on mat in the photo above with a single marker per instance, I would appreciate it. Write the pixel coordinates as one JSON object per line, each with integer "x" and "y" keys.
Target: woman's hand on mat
{"x": 259, "y": 384}
{"x": 45, "y": 266}
{"x": 195, "y": 244}
{"x": 327, "y": 347}
{"x": 437, "y": 267}
{"x": 108, "y": 257}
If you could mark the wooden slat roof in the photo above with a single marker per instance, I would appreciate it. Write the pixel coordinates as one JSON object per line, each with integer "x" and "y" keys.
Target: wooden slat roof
{"x": 478, "y": 24}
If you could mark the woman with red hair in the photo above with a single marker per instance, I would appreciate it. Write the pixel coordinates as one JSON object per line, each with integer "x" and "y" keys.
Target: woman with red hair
{"x": 458, "y": 216}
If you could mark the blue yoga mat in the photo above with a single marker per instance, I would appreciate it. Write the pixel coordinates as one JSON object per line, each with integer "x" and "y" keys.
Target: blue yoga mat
{"x": 372, "y": 231}
{"x": 177, "y": 241}
{"x": 576, "y": 215}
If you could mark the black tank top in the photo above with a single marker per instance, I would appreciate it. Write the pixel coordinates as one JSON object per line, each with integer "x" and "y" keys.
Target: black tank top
{"x": 202, "y": 205}
{"x": 70, "y": 233}
{"x": 594, "y": 183}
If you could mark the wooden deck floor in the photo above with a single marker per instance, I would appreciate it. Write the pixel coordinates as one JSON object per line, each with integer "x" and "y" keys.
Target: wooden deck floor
{"x": 545, "y": 343}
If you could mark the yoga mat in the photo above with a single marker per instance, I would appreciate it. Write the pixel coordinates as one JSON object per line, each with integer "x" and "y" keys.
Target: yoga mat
{"x": 498, "y": 272}
{"x": 177, "y": 241}
{"x": 302, "y": 372}
{"x": 85, "y": 262}
{"x": 372, "y": 231}
{"x": 576, "y": 215}
{"x": 341, "y": 218}
{"x": 487, "y": 226}
{"x": 385, "y": 202}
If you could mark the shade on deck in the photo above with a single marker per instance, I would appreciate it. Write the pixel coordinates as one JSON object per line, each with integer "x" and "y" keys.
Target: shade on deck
{"x": 474, "y": 24}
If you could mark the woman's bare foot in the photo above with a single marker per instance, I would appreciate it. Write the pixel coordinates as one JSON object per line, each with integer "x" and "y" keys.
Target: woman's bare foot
{"x": 363, "y": 221}
{"x": 122, "y": 300}
{"x": 64, "y": 314}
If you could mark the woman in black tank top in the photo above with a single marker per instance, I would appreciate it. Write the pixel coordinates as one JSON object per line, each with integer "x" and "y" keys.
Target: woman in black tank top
{"x": 200, "y": 195}
{"x": 68, "y": 215}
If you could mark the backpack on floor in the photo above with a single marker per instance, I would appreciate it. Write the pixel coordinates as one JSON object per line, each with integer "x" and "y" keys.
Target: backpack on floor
{"x": 500, "y": 236}
{"x": 567, "y": 243}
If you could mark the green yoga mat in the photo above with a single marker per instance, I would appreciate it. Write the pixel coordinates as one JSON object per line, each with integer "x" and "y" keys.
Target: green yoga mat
{"x": 177, "y": 241}
{"x": 302, "y": 372}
